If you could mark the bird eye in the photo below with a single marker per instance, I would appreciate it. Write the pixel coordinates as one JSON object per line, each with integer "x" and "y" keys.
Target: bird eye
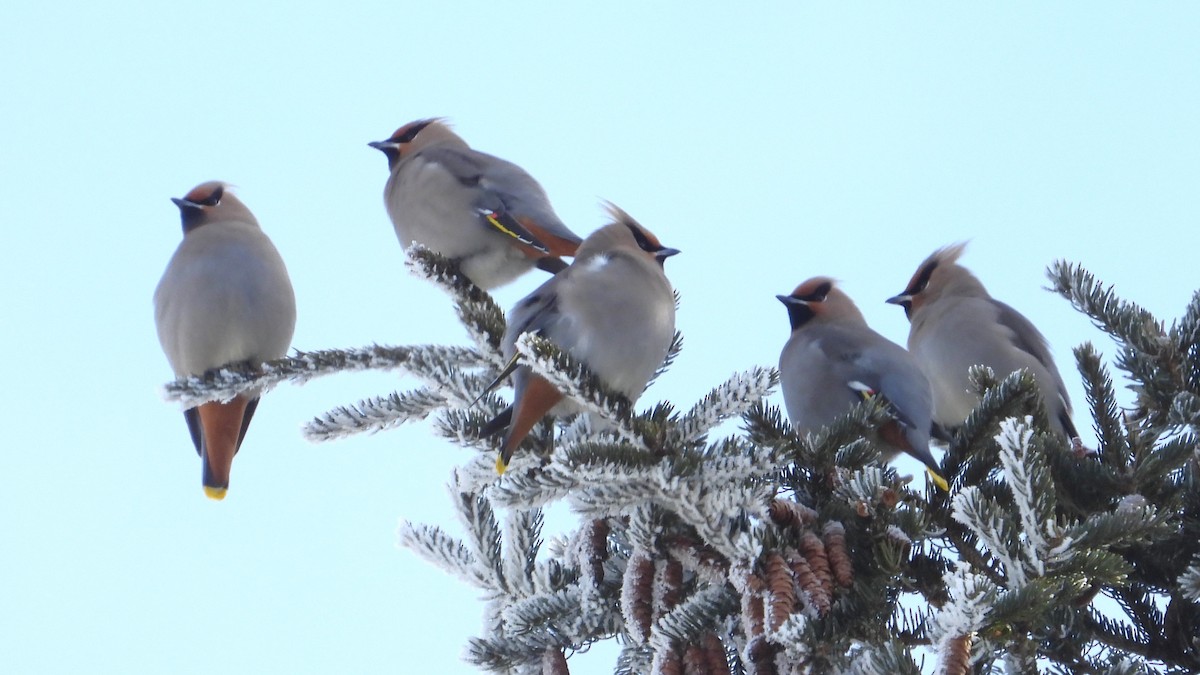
{"x": 408, "y": 133}
{"x": 643, "y": 241}
{"x": 818, "y": 294}
{"x": 923, "y": 278}
{"x": 214, "y": 198}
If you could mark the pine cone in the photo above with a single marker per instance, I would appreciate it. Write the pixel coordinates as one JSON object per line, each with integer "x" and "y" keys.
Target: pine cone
{"x": 808, "y": 582}
{"x": 694, "y": 662}
{"x": 671, "y": 583}
{"x": 554, "y": 662}
{"x": 789, "y": 513}
{"x": 839, "y": 559}
{"x": 714, "y": 654}
{"x": 667, "y": 663}
{"x": 637, "y": 601}
{"x": 752, "y": 606}
{"x": 814, "y": 551}
{"x": 956, "y": 657}
{"x": 762, "y": 656}
{"x": 782, "y": 587}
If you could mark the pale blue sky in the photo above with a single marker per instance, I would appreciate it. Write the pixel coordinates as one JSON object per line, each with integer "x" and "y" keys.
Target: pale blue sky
{"x": 770, "y": 144}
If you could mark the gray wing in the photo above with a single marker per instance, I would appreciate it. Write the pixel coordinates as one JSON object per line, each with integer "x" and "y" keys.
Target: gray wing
{"x": 1029, "y": 339}
{"x": 903, "y": 384}
{"x": 889, "y": 371}
{"x": 537, "y": 313}
{"x": 507, "y": 190}
{"x": 894, "y": 374}
{"x": 466, "y": 167}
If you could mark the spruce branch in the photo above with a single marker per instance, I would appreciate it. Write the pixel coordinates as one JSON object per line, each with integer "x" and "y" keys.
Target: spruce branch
{"x": 698, "y": 614}
{"x": 228, "y": 381}
{"x": 1189, "y": 581}
{"x": 507, "y": 652}
{"x": 373, "y": 414}
{"x": 508, "y": 648}
{"x": 988, "y": 521}
{"x": 972, "y": 453}
{"x": 764, "y": 425}
{"x": 964, "y": 615}
{"x": 889, "y": 658}
{"x": 634, "y": 659}
{"x": 520, "y": 488}
{"x": 478, "y": 312}
{"x": 1155, "y": 467}
{"x": 1033, "y": 492}
{"x": 1102, "y": 400}
{"x": 443, "y": 272}
{"x": 1130, "y": 325}
{"x": 1185, "y": 410}
{"x": 448, "y": 553}
{"x": 871, "y": 489}
{"x": 555, "y": 611}
{"x": 1126, "y": 666}
{"x": 731, "y": 399}
{"x": 1118, "y": 528}
{"x": 673, "y": 351}
{"x": 522, "y": 541}
{"x": 438, "y": 368}
{"x": 1115, "y": 633}
{"x": 484, "y": 538}
{"x": 577, "y": 383}
{"x": 1147, "y": 350}
{"x": 845, "y": 442}
{"x": 447, "y": 384}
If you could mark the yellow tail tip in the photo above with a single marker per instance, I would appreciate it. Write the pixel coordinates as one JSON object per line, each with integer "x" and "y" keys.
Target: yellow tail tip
{"x": 501, "y": 465}
{"x": 938, "y": 480}
{"x": 217, "y": 493}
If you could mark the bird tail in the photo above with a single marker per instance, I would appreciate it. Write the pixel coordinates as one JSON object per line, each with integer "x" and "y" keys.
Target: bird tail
{"x": 509, "y": 367}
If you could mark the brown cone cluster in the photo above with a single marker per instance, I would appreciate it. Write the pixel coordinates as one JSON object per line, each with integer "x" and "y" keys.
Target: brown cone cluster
{"x": 956, "y": 659}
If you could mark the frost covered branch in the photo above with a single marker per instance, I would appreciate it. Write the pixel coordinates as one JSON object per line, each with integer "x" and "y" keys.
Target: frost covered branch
{"x": 226, "y": 382}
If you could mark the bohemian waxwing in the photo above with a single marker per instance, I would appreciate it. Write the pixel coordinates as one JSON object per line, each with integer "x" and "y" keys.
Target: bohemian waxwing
{"x": 834, "y": 360}
{"x": 955, "y": 324}
{"x": 224, "y": 298}
{"x": 612, "y": 308}
{"x": 486, "y": 213}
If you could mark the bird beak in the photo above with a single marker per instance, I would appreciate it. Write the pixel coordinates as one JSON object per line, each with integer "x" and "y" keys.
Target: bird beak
{"x": 905, "y": 301}
{"x": 188, "y": 208}
{"x": 799, "y": 311}
{"x": 390, "y": 149}
{"x": 663, "y": 254}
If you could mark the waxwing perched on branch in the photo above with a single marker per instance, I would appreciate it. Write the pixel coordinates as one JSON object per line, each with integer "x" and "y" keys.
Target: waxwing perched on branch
{"x": 224, "y": 298}
{"x": 955, "y": 324}
{"x": 486, "y": 213}
{"x": 612, "y": 308}
{"x": 834, "y": 360}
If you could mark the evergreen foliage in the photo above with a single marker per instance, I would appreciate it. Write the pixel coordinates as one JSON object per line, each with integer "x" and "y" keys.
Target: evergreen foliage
{"x": 768, "y": 552}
